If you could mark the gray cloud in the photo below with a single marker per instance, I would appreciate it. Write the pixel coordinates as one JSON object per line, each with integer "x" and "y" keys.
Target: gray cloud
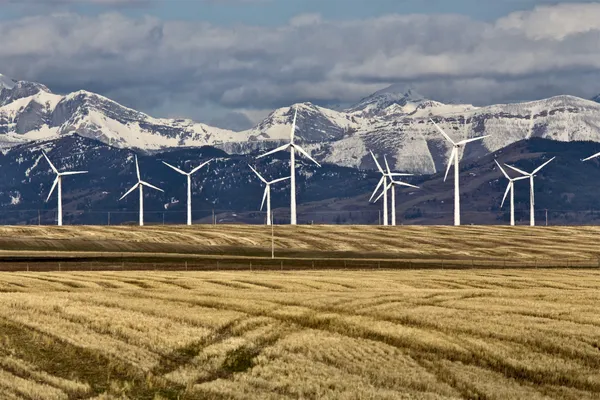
{"x": 168, "y": 66}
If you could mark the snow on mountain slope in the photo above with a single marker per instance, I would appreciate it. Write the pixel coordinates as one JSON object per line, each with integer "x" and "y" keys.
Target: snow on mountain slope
{"x": 394, "y": 121}
{"x": 29, "y": 111}
{"x": 406, "y": 100}
{"x": 313, "y": 124}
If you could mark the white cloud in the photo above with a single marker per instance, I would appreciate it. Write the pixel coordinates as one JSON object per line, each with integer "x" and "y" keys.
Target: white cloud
{"x": 160, "y": 65}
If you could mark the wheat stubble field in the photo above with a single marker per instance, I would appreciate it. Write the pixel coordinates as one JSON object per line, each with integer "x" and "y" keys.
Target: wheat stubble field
{"x": 414, "y": 334}
{"x": 419, "y": 243}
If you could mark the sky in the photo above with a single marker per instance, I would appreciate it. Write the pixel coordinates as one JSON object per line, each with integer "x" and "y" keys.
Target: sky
{"x": 230, "y": 62}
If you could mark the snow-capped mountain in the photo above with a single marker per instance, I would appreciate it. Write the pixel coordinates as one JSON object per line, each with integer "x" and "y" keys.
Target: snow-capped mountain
{"x": 30, "y": 111}
{"x": 393, "y": 121}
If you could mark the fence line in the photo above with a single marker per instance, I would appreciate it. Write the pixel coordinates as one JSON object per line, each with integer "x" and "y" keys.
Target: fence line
{"x": 291, "y": 264}
{"x": 373, "y": 216}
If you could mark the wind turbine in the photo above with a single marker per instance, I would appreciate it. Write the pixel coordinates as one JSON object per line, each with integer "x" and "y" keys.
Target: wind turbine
{"x": 267, "y": 194}
{"x": 140, "y": 184}
{"x": 58, "y": 181}
{"x": 189, "y": 186}
{"x": 454, "y": 159}
{"x": 293, "y": 148}
{"x": 511, "y": 188}
{"x": 392, "y": 186}
{"x": 386, "y": 187}
{"x": 531, "y": 192}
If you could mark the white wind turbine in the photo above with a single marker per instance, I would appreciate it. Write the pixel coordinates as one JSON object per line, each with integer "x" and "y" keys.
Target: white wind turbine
{"x": 140, "y": 184}
{"x": 267, "y": 194}
{"x": 189, "y": 186}
{"x": 293, "y": 148}
{"x": 392, "y": 186}
{"x": 383, "y": 181}
{"x": 58, "y": 181}
{"x": 511, "y": 188}
{"x": 454, "y": 159}
{"x": 531, "y": 191}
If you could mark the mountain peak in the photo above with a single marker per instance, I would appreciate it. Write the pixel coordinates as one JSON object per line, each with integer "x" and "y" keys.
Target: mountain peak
{"x": 596, "y": 98}
{"x": 375, "y": 104}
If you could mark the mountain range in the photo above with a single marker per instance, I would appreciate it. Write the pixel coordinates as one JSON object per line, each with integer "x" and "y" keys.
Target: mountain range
{"x": 393, "y": 121}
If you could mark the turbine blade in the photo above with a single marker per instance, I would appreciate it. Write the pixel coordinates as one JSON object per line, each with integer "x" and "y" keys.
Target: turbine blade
{"x": 442, "y": 132}
{"x": 52, "y": 190}
{"x": 450, "y": 163}
{"x": 405, "y": 184}
{"x": 538, "y": 169}
{"x": 387, "y": 166}
{"x": 200, "y": 166}
{"x": 279, "y": 180}
{"x": 137, "y": 168}
{"x": 383, "y": 192}
{"x": 510, "y": 184}
{"x": 399, "y": 174}
{"x": 257, "y": 174}
{"x": 174, "y": 168}
{"x": 502, "y": 169}
{"x": 518, "y": 170}
{"x": 462, "y": 142}
{"x": 130, "y": 190}
{"x": 301, "y": 150}
{"x": 377, "y": 163}
{"x": 520, "y": 178}
{"x": 281, "y": 148}
{"x": 72, "y": 173}
{"x": 264, "y": 197}
{"x": 590, "y": 157}
{"x": 377, "y": 188}
{"x": 150, "y": 186}
{"x": 50, "y": 162}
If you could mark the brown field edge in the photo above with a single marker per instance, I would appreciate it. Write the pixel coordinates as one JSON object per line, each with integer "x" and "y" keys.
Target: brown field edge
{"x": 208, "y": 247}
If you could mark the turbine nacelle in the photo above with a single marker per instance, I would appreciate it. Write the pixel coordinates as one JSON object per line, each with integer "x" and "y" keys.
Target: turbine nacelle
{"x": 59, "y": 175}
{"x": 140, "y": 182}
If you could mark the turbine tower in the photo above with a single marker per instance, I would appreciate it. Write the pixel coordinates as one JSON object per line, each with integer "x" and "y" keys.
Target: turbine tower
{"x": 454, "y": 159}
{"x": 531, "y": 192}
{"x": 383, "y": 181}
{"x": 140, "y": 184}
{"x": 293, "y": 148}
{"x": 392, "y": 186}
{"x": 511, "y": 188}
{"x": 58, "y": 181}
{"x": 189, "y": 186}
{"x": 267, "y": 194}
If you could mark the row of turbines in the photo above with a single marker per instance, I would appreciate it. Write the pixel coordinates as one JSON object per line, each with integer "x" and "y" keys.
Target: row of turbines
{"x": 454, "y": 159}
{"x": 387, "y": 181}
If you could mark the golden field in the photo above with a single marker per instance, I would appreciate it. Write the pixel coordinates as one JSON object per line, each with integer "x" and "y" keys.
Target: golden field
{"x": 494, "y": 243}
{"x": 415, "y": 334}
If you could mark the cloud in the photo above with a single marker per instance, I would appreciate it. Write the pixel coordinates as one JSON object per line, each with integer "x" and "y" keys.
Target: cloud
{"x": 159, "y": 65}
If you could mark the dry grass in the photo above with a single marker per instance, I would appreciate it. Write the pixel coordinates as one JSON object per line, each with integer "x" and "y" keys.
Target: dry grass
{"x": 415, "y": 242}
{"x": 477, "y": 334}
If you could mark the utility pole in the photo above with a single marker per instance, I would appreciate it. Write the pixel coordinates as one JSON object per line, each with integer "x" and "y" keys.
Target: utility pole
{"x": 109, "y": 218}
{"x": 39, "y": 218}
{"x": 546, "y": 217}
{"x": 213, "y": 218}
